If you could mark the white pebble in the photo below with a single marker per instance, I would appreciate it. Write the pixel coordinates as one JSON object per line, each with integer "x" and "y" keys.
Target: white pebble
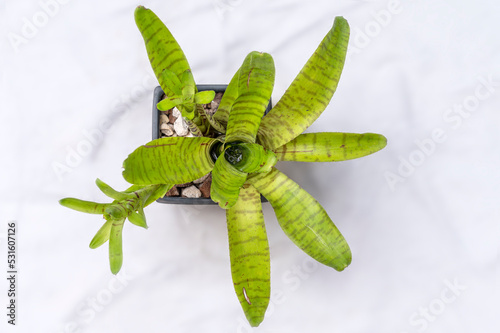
{"x": 167, "y": 129}
{"x": 163, "y": 119}
{"x": 176, "y": 112}
{"x": 180, "y": 127}
{"x": 191, "y": 192}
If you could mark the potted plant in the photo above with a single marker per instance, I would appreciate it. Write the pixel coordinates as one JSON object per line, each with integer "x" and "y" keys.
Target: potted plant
{"x": 164, "y": 126}
{"x": 241, "y": 157}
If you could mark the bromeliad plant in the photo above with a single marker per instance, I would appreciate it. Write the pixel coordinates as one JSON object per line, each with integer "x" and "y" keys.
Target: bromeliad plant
{"x": 242, "y": 159}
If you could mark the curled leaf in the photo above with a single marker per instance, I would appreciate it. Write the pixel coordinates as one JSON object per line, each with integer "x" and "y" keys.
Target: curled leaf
{"x": 226, "y": 183}
{"x": 250, "y": 157}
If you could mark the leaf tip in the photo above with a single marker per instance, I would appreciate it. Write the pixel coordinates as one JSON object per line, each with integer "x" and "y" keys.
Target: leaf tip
{"x": 374, "y": 141}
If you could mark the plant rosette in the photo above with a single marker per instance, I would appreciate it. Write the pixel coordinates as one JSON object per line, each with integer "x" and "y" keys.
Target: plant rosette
{"x": 171, "y": 124}
{"x": 240, "y": 148}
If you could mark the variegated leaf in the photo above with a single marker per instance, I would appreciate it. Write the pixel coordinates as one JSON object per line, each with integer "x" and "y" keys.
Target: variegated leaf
{"x": 303, "y": 219}
{"x": 310, "y": 92}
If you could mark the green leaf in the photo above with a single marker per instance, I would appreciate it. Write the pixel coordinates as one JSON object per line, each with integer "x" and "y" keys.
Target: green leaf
{"x": 174, "y": 160}
{"x": 255, "y": 85}
{"x": 115, "y": 246}
{"x": 249, "y": 253}
{"x": 138, "y": 219}
{"x": 303, "y": 219}
{"x": 171, "y": 80}
{"x": 83, "y": 206}
{"x": 226, "y": 183}
{"x": 204, "y": 97}
{"x": 168, "y": 102}
{"x": 310, "y": 92}
{"x": 102, "y": 235}
{"x": 187, "y": 110}
{"x": 110, "y": 192}
{"x": 330, "y": 147}
{"x": 188, "y": 86}
{"x": 228, "y": 99}
{"x": 163, "y": 50}
{"x": 159, "y": 191}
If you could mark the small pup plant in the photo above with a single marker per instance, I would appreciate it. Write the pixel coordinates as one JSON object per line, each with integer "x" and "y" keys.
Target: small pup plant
{"x": 240, "y": 147}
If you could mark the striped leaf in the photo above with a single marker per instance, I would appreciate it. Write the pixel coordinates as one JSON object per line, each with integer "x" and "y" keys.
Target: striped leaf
{"x": 227, "y": 101}
{"x": 174, "y": 160}
{"x": 303, "y": 219}
{"x": 83, "y": 205}
{"x": 163, "y": 50}
{"x": 255, "y": 85}
{"x": 115, "y": 246}
{"x": 310, "y": 92}
{"x": 249, "y": 253}
{"x": 226, "y": 183}
{"x": 195, "y": 129}
{"x": 172, "y": 81}
{"x": 330, "y": 147}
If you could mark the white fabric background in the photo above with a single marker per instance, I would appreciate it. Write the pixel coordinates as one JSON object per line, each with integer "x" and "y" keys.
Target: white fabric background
{"x": 85, "y": 66}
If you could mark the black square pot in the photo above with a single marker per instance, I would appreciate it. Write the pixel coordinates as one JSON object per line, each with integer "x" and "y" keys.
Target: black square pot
{"x": 157, "y": 96}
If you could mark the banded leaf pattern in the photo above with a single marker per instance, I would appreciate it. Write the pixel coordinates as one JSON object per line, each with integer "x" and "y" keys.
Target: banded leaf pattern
{"x": 330, "y": 147}
{"x": 227, "y": 101}
{"x": 303, "y": 219}
{"x": 255, "y": 85}
{"x": 249, "y": 253}
{"x": 84, "y": 206}
{"x": 310, "y": 92}
{"x": 174, "y": 160}
{"x": 163, "y": 50}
